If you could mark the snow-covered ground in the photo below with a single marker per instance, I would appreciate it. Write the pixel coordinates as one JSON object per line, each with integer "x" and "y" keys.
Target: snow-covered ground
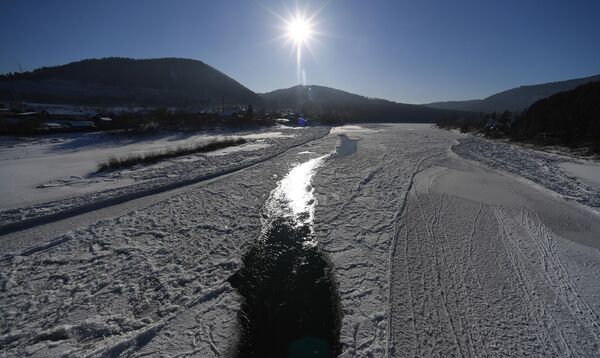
{"x": 486, "y": 265}
{"x": 67, "y": 164}
{"x": 588, "y": 173}
{"x": 439, "y": 256}
{"x": 150, "y": 281}
{"x": 547, "y": 170}
{"x": 434, "y": 254}
{"x": 44, "y": 176}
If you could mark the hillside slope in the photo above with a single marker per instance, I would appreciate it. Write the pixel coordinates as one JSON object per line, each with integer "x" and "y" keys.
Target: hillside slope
{"x": 333, "y": 103}
{"x": 165, "y": 81}
{"x": 569, "y": 118}
{"x": 515, "y": 99}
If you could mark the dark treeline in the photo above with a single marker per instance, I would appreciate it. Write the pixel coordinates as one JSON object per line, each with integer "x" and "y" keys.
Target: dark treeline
{"x": 137, "y": 123}
{"x": 570, "y": 118}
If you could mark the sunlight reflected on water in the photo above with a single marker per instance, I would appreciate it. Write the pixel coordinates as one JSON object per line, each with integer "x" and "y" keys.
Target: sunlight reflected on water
{"x": 293, "y": 196}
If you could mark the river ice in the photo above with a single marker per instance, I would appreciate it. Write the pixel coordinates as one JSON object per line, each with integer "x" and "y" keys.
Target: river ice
{"x": 439, "y": 247}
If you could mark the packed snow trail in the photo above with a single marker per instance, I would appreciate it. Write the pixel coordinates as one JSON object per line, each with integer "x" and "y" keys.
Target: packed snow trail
{"x": 498, "y": 287}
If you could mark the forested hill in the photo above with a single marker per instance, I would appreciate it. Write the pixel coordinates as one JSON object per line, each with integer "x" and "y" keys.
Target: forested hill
{"x": 570, "y": 118}
{"x": 331, "y": 103}
{"x": 164, "y": 80}
{"x": 515, "y": 99}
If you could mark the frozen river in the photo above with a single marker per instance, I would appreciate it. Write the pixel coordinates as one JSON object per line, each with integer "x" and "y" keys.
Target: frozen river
{"x": 426, "y": 249}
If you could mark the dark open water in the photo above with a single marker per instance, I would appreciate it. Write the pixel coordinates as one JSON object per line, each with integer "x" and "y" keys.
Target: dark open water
{"x": 291, "y": 307}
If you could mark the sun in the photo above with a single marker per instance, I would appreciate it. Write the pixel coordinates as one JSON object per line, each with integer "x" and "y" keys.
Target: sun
{"x": 299, "y": 30}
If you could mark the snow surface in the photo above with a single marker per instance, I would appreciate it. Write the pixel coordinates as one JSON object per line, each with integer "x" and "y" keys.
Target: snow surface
{"x": 361, "y": 197}
{"x": 587, "y": 173}
{"x": 541, "y": 168}
{"x": 434, "y": 255}
{"x": 149, "y": 281}
{"x": 57, "y": 173}
{"x": 493, "y": 274}
{"x": 438, "y": 256}
{"x": 70, "y": 161}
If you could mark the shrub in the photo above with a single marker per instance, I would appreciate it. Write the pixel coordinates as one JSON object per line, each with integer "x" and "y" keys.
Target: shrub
{"x": 113, "y": 163}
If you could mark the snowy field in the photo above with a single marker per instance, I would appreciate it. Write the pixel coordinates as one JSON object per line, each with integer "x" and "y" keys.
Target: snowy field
{"x": 571, "y": 180}
{"x": 586, "y": 172}
{"x": 47, "y": 175}
{"x": 440, "y": 245}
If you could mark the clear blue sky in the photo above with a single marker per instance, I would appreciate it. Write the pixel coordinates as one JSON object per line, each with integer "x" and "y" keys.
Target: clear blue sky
{"x": 407, "y": 51}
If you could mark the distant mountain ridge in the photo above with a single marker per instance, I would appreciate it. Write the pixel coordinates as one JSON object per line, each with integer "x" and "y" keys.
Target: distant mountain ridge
{"x": 184, "y": 82}
{"x": 168, "y": 81}
{"x": 175, "y": 82}
{"x": 333, "y": 103}
{"x": 515, "y": 99}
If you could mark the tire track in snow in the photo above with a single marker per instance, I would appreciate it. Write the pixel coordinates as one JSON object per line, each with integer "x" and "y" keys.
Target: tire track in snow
{"x": 471, "y": 270}
{"x": 452, "y": 281}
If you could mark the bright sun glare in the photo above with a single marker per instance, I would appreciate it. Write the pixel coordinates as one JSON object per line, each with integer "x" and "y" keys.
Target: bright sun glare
{"x": 299, "y": 30}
